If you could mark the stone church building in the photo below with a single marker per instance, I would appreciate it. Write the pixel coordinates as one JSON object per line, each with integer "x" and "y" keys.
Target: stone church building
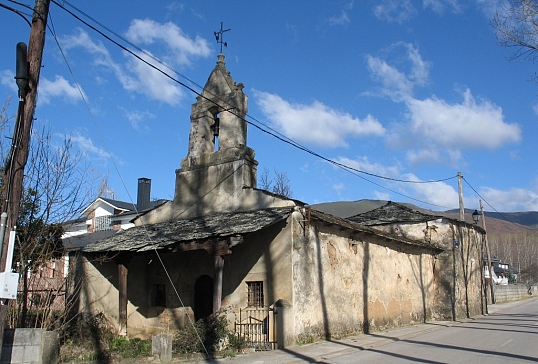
{"x": 280, "y": 270}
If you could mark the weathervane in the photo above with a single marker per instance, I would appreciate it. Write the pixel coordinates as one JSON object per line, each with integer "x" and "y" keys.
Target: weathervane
{"x": 219, "y": 36}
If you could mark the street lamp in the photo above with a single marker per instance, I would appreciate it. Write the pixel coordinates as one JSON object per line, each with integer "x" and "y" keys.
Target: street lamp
{"x": 476, "y": 216}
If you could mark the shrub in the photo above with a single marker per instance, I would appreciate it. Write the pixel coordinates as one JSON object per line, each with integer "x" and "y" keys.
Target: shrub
{"x": 92, "y": 337}
{"x": 131, "y": 348}
{"x": 206, "y": 335}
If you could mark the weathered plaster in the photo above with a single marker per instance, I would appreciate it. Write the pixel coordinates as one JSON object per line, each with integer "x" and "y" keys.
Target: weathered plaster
{"x": 344, "y": 285}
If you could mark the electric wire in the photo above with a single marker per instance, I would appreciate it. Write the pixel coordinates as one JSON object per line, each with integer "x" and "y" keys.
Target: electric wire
{"x": 148, "y": 238}
{"x": 493, "y": 208}
{"x": 20, "y": 13}
{"x": 272, "y": 131}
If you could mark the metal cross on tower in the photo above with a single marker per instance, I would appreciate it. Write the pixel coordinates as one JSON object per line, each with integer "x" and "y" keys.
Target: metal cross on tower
{"x": 219, "y": 36}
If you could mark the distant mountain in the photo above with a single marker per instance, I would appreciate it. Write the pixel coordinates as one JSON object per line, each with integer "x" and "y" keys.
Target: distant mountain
{"x": 496, "y": 223}
{"x": 348, "y": 208}
{"x": 529, "y": 218}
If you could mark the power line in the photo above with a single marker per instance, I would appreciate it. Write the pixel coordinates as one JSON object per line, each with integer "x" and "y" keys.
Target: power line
{"x": 493, "y": 208}
{"x": 148, "y": 237}
{"x": 20, "y": 13}
{"x": 264, "y": 128}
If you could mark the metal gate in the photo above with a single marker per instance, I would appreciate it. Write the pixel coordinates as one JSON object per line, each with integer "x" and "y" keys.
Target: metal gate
{"x": 256, "y": 327}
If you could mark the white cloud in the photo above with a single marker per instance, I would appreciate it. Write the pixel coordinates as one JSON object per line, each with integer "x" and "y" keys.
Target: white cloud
{"x": 60, "y": 87}
{"x": 430, "y": 156}
{"x": 150, "y": 82}
{"x": 396, "y": 11}
{"x": 439, "y": 6}
{"x": 382, "y": 196}
{"x": 338, "y": 188}
{"x": 397, "y": 84}
{"x": 7, "y": 78}
{"x": 315, "y": 124}
{"x": 437, "y": 131}
{"x": 513, "y": 200}
{"x": 343, "y": 17}
{"x": 86, "y": 146}
{"x": 491, "y": 7}
{"x": 535, "y": 108}
{"x": 183, "y": 49}
{"x": 364, "y": 164}
{"x": 440, "y": 194}
{"x": 137, "y": 118}
{"x": 137, "y": 76}
{"x": 48, "y": 89}
{"x": 101, "y": 56}
{"x": 469, "y": 124}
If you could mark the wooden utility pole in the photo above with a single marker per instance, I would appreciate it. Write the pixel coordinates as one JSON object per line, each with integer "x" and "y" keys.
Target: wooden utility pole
{"x": 490, "y": 268}
{"x": 462, "y": 244}
{"x": 14, "y": 171}
{"x": 460, "y": 194}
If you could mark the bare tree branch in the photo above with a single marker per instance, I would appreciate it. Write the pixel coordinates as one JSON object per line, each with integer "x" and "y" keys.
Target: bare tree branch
{"x": 516, "y": 25}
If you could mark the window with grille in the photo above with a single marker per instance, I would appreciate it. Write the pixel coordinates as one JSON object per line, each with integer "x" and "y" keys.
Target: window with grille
{"x": 103, "y": 223}
{"x": 255, "y": 294}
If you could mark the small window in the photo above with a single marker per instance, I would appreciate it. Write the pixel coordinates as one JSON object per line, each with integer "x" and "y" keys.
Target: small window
{"x": 255, "y": 294}
{"x": 159, "y": 295}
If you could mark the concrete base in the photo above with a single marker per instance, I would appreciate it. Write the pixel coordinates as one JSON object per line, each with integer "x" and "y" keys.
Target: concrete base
{"x": 30, "y": 346}
{"x": 161, "y": 347}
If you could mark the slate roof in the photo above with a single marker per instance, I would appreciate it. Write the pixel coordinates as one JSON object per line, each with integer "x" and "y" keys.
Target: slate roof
{"x": 77, "y": 242}
{"x": 160, "y": 235}
{"x": 351, "y": 225}
{"x": 392, "y": 213}
{"x": 128, "y": 206}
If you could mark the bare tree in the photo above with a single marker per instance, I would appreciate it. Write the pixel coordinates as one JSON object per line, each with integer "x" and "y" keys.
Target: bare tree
{"x": 280, "y": 186}
{"x": 265, "y": 180}
{"x": 57, "y": 185}
{"x": 516, "y": 26}
{"x": 520, "y": 250}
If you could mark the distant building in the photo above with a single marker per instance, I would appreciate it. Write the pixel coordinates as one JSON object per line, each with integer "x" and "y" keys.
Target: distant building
{"x": 502, "y": 272}
{"x": 102, "y": 218}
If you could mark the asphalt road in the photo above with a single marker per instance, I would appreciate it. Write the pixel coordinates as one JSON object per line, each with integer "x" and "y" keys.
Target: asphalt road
{"x": 508, "y": 336}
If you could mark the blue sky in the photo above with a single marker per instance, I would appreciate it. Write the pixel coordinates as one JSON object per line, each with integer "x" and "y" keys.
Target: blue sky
{"x": 409, "y": 90}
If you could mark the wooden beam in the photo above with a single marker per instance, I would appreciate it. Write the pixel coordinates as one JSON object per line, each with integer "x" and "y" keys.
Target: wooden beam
{"x": 122, "y": 290}
{"x": 217, "y": 283}
{"x": 213, "y": 247}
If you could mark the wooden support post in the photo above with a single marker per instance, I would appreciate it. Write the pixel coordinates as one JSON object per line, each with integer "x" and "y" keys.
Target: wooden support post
{"x": 490, "y": 267}
{"x": 217, "y": 283}
{"x": 122, "y": 289}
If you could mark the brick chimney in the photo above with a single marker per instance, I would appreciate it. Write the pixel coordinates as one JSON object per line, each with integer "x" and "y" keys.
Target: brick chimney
{"x": 144, "y": 190}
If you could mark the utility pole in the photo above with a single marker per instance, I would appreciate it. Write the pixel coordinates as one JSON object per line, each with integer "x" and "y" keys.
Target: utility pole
{"x": 490, "y": 268}
{"x": 463, "y": 246}
{"x": 460, "y": 194}
{"x": 20, "y": 149}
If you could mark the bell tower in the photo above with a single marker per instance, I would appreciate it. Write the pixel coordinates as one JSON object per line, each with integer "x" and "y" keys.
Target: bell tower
{"x": 218, "y": 158}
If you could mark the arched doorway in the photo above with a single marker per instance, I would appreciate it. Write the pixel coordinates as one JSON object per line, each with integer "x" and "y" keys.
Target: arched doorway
{"x": 203, "y": 297}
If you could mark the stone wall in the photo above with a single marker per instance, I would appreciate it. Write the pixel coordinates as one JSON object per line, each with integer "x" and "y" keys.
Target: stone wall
{"x": 458, "y": 283}
{"x": 348, "y": 284}
{"x": 30, "y": 346}
{"x": 512, "y": 292}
